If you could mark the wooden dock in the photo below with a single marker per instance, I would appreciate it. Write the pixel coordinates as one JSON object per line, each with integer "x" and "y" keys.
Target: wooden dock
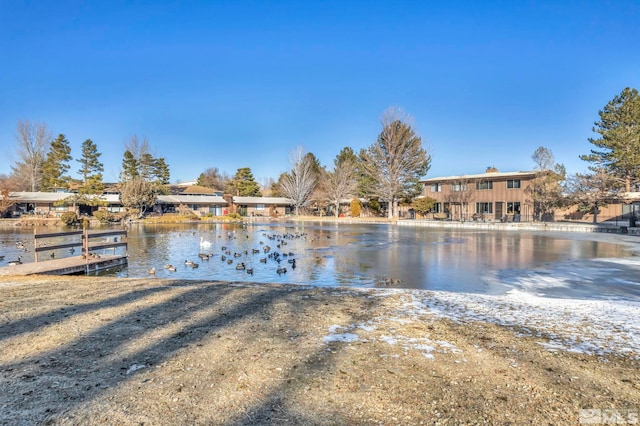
{"x": 88, "y": 262}
{"x": 74, "y": 265}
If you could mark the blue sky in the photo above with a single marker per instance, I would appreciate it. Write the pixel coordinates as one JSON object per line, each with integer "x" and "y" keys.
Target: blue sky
{"x": 232, "y": 84}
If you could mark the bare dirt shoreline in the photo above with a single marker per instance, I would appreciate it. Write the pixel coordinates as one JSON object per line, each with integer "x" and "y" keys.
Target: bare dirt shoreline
{"x": 92, "y": 350}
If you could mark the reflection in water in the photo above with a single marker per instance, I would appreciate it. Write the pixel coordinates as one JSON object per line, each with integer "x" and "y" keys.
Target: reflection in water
{"x": 375, "y": 255}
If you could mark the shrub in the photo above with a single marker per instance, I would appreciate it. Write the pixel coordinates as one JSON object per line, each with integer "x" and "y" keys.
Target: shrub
{"x": 356, "y": 207}
{"x": 375, "y": 206}
{"x": 133, "y": 212}
{"x": 69, "y": 218}
{"x": 423, "y": 205}
{"x": 103, "y": 216}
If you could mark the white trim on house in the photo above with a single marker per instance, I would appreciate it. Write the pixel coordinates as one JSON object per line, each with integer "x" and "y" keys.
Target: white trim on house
{"x": 490, "y": 175}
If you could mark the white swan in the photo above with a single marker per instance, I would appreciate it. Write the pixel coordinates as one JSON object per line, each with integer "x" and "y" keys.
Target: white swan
{"x": 204, "y": 243}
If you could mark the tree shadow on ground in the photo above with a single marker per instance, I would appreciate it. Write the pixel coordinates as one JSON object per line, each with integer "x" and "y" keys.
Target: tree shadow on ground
{"x": 42, "y": 385}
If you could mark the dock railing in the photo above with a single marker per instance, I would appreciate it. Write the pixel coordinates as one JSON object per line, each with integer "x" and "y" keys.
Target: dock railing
{"x": 84, "y": 241}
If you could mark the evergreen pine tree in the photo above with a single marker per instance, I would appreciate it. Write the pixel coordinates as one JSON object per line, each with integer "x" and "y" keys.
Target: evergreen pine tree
{"x": 129, "y": 167}
{"x": 618, "y": 147}
{"x": 91, "y": 168}
{"x": 56, "y": 165}
{"x": 244, "y": 184}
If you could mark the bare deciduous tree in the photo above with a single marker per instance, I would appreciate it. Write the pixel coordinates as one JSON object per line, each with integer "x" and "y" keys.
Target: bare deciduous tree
{"x": 396, "y": 161}
{"x": 137, "y": 147}
{"x": 298, "y": 184}
{"x": 138, "y": 193}
{"x": 461, "y": 194}
{"x": 593, "y": 190}
{"x": 341, "y": 183}
{"x": 213, "y": 178}
{"x": 33, "y": 140}
{"x": 546, "y": 190}
{"x": 6, "y": 186}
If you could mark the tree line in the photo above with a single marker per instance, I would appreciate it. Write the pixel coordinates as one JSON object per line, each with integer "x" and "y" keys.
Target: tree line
{"x": 385, "y": 173}
{"x": 388, "y": 170}
{"x": 613, "y": 163}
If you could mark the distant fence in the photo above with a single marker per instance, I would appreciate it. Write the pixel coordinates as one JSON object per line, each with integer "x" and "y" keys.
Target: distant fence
{"x": 602, "y": 219}
{"x": 80, "y": 239}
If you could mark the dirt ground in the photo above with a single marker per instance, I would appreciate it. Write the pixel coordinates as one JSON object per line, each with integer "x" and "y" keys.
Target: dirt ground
{"x": 91, "y": 350}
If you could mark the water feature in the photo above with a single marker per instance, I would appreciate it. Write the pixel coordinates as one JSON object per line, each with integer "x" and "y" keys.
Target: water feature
{"x": 329, "y": 254}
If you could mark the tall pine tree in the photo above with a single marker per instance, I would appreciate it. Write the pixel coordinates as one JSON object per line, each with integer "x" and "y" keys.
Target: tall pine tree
{"x": 56, "y": 165}
{"x": 618, "y": 147}
{"x": 90, "y": 169}
{"x": 243, "y": 184}
{"x": 129, "y": 167}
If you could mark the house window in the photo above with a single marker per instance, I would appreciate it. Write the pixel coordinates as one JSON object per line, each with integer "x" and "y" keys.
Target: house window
{"x": 458, "y": 187}
{"x": 436, "y": 187}
{"x": 513, "y": 183}
{"x": 437, "y": 208}
{"x": 484, "y": 185}
{"x": 484, "y": 208}
{"x": 513, "y": 207}
{"x": 259, "y": 206}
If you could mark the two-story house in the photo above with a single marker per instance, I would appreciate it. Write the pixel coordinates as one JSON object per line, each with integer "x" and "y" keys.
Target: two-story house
{"x": 492, "y": 195}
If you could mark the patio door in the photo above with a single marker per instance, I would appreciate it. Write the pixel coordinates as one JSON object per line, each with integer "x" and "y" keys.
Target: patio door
{"x": 499, "y": 210}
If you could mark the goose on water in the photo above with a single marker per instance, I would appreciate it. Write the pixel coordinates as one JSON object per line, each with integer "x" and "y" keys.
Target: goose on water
{"x": 18, "y": 261}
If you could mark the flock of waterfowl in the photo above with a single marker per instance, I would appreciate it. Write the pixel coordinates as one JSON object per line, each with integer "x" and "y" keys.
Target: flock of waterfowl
{"x": 20, "y": 246}
{"x": 244, "y": 259}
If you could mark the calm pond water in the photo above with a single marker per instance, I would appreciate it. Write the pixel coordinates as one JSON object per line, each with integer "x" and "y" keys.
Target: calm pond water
{"x": 478, "y": 261}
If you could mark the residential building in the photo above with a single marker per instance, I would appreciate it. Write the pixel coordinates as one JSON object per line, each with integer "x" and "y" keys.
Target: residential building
{"x": 263, "y": 206}
{"x": 198, "y": 200}
{"x": 489, "y": 196}
{"x": 38, "y": 203}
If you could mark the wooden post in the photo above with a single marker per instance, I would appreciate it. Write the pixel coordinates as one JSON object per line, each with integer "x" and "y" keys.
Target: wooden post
{"x": 85, "y": 243}
{"x": 35, "y": 244}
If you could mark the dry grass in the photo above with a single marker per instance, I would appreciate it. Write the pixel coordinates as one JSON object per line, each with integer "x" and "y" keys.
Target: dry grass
{"x": 87, "y": 350}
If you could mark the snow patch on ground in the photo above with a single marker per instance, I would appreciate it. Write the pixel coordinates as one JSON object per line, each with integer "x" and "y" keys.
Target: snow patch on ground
{"x": 334, "y": 336}
{"x": 583, "y": 326}
{"x": 424, "y": 345}
{"x": 599, "y": 324}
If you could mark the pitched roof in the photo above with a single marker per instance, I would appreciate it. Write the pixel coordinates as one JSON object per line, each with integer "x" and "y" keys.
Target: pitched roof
{"x": 52, "y": 197}
{"x": 262, "y": 200}
{"x": 191, "y": 199}
{"x": 39, "y": 197}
